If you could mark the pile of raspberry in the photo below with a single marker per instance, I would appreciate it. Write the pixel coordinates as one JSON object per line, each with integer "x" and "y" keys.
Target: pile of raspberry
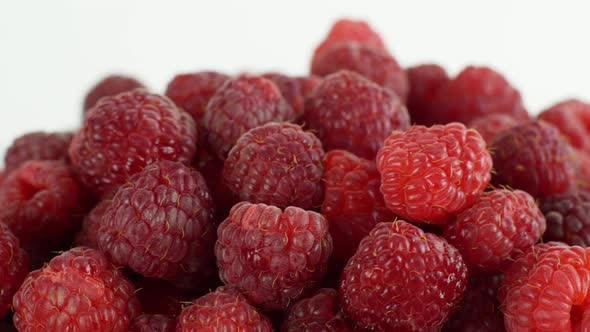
{"x": 363, "y": 196}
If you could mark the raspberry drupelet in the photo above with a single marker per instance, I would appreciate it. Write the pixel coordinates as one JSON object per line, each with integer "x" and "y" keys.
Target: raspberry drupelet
{"x": 568, "y": 218}
{"x": 37, "y": 146}
{"x": 110, "y": 86}
{"x": 13, "y": 268}
{"x": 572, "y": 118}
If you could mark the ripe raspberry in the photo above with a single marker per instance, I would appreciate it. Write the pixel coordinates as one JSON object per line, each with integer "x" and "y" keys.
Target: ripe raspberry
{"x": 110, "y": 86}
{"x": 273, "y": 257}
{"x": 127, "y": 132}
{"x": 533, "y": 157}
{"x": 376, "y": 65}
{"x": 347, "y": 30}
{"x": 500, "y": 225}
{"x": 192, "y": 92}
{"x": 78, "y": 290}
{"x": 582, "y": 161}
{"x": 476, "y": 91}
{"x": 277, "y": 164}
{"x": 13, "y": 268}
{"x": 160, "y": 223}
{"x": 153, "y": 323}
{"x": 351, "y": 113}
{"x": 424, "y": 80}
{"x": 489, "y": 125}
{"x": 295, "y": 89}
{"x": 87, "y": 236}
{"x": 239, "y": 105}
{"x": 353, "y": 203}
{"x": 429, "y": 174}
{"x": 222, "y": 310}
{"x": 568, "y": 218}
{"x": 37, "y": 146}
{"x": 42, "y": 203}
{"x": 547, "y": 290}
{"x": 319, "y": 313}
{"x": 572, "y": 118}
{"x": 402, "y": 279}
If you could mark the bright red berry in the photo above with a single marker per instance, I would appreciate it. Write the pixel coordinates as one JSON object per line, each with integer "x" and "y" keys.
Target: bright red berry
{"x": 319, "y": 313}
{"x": 295, "y": 89}
{"x": 572, "y": 118}
{"x": 127, "y": 132}
{"x": 37, "y": 146}
{"x": 78, "y": 290}
{"x": 351, "y": 113}
{"x": 153, "y": 323}
{"x": 239, "y": 105}
{"x": 87, "y": 236}
{"x": 535, "y": 158}
{"x": 110, "y": 86}
{"x": 160, "y": 223}
{"x": 568, "y": 218}
{"x": 500, "y": 225}
{"x": 489, "y": 125}
{"x": 273, "y": 257}
{"x": 424, "y": 80}
{"x": 277, "y": 164}
{"x": 429, "y": 174}
{"x": 13, "y": 268}
{"x": 402, "y": 279}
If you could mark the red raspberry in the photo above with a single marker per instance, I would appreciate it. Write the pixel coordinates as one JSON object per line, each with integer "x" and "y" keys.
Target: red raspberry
{"x": 582, "y": 161}
{"x": 42, "y": 203}
{"x": 78, "y": 290}
{"x": 37, "y": 146}
{"x": 424, "y": 80}
{"x": 239, "y": 105}
{"x": 319, "y": 313}
{"x": 192, "y": 92}
{"x": 127, "y": 132}
{"x": 500, "y": 225}
{"x": 376, "y": 65}
{"x": 222, "y": 310}
{"x": 110, "y": 86}
{"x": 13, "y": 268}
{"x": 535, "y": 158}
{"x": 295, "y": 89}
{"x": 347, "y": 30}
{"x": 351, "y": 113}
{"x": 160, "y": 223}
{"x": 547, "y": 290}
{"x": 572, "y": 118}
{"x": 353, "y": 203}
{"x": 474, "y": 92}
{"x": 153, "y": 323}
{"x": 402, "y": 279}
{"x": 429, "y": 174}
{"x": 568, "y": 218}
{"x": 273, "y": 257}
{"x": 277, "y": 164}
{"x": 489, "y": 125}
{"x": 87, "y": 236}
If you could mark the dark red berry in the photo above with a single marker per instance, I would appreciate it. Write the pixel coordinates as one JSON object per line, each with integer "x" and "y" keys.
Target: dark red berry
{"x": 37, "y": 146}
{"x": 87, "y": 236}
{"x": 572, "y": 118}
{"x": 351, "y": 113}
{"x": 319, "y": 313}
{"x": 153, "y": 323}
{"x": 429, "y": 174}
{"x": 13, "y": 268}
{"x": 424, "y": 80}
{"x": 295, "y": 89}
{"x": 489, "y": 125}
{"x": 582, "y": 161}
{"x": 568, "y": 218}
{"x": 110, "y": 86}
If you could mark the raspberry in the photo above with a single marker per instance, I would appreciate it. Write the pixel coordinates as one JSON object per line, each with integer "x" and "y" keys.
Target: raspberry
{"x": 582, "y": 161}
{"x": 239, "y": 105}
{"x": 78, "y": 290}
{"x": 353, "y": 203}
{"x": 160, "y": 223}
{"x": 2, "y": 176}
{"x": 110, "y": 86}
{"x": 489, "y": 125}
{"x": 37, "y": 146}
{"x": 429, "y": 174}
{"x": 402, "y": 279}
{"x": 547, "y": 290}
{"x": 192, "y": 92}
{"x": 318, "y": 313}
{"x": 568, "y": 218}
{"x": 572, "y": 118}
{"x": 424, "y": 80}
{"x": 273, "y": 257}
{"x": 347, "y": 30}
{"x": 351, "y": 113}
{"x": 295, "y": 89}
{"x": 87, "y": 236}
{"x": 42, "y": 203}
{"x": 500, "y": 225}
{"x": 476, "y": 91}
{"x": 127, "y": 132}
{"x": 277, "y": 164}
{"x": 222, "y": 310}
{"x": 533, "y": 157}
{"x": 376, "y": 65}
{"x": 153, "y": 323}
{"x": 13, "y": 268}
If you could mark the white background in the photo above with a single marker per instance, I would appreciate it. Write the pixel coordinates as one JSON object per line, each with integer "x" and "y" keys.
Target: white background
{"x": 51, "y": 52}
